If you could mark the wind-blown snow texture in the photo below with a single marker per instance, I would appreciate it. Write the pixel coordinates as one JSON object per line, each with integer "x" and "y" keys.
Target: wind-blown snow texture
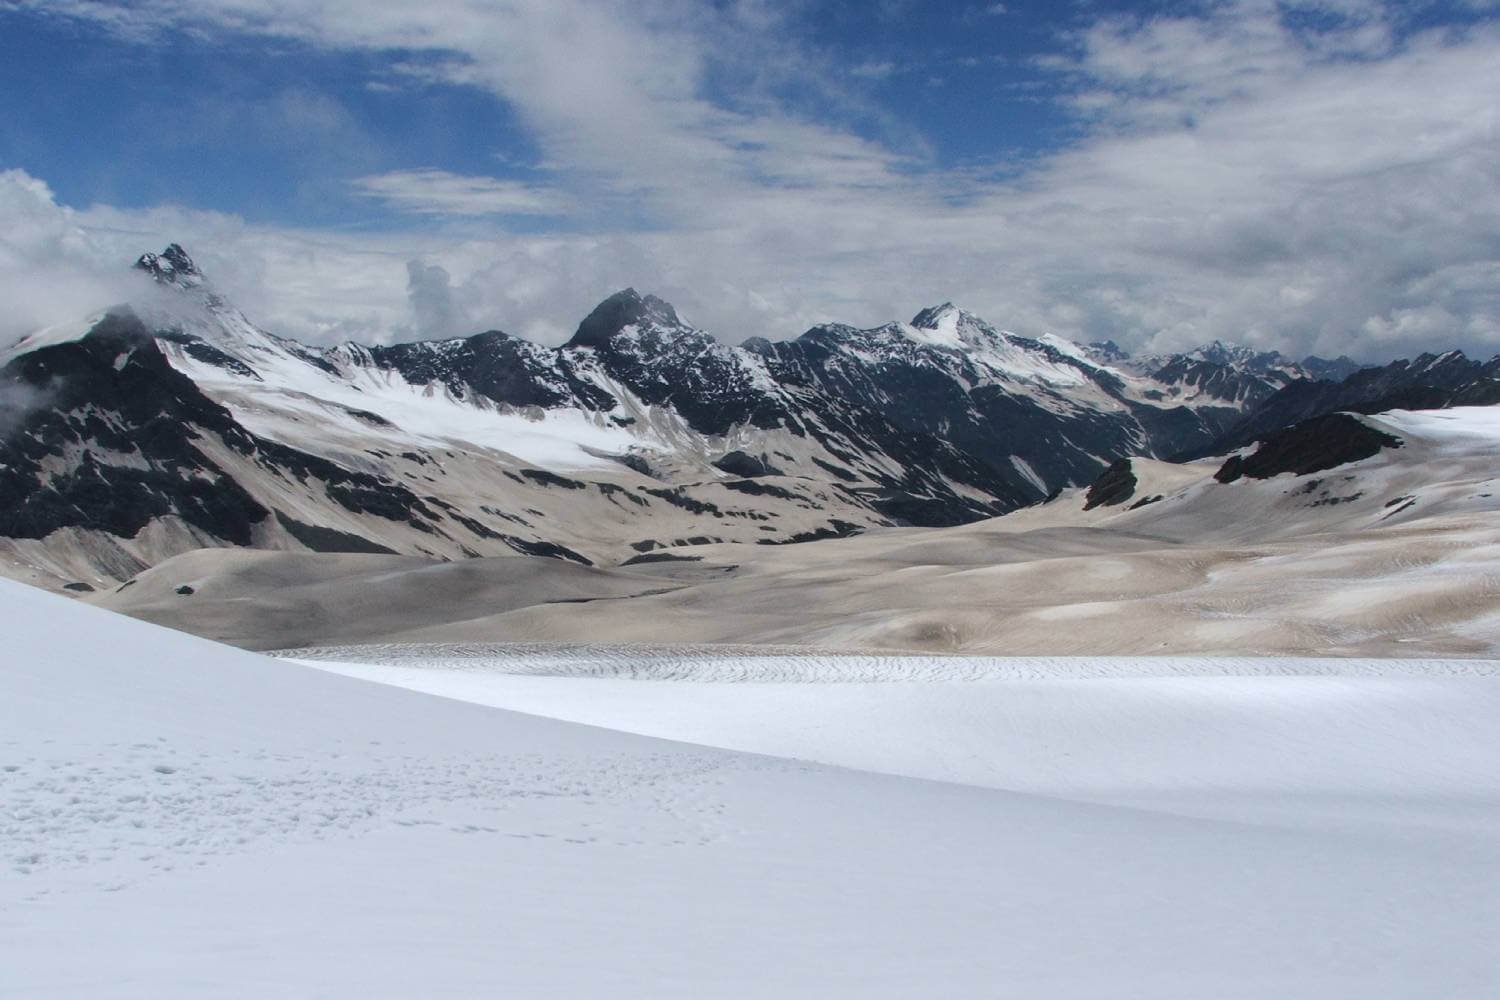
{"x": 186, "y": 820}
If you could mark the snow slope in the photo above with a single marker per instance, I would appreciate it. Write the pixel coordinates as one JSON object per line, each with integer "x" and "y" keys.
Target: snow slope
{"x": 1285, "y": 740}
{"x": 294, "y": 401}
{"x": 183, "y": 819}
{"x": 1461, "y": 428}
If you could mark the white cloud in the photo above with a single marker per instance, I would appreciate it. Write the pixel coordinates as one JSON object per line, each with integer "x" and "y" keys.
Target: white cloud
{"x": 440, "y": 193}
{"x": 17, "y": 401}
{"x": 51, "y": 268}
{"x": 431, "y": 294}
{"x": 1331, "y": 190}
{"x": 875, "y": 69}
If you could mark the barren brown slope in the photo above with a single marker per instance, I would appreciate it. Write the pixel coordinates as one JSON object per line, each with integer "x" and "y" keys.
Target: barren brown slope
{"x": 1396, "y": 554}
{"x": 268, "y": 600}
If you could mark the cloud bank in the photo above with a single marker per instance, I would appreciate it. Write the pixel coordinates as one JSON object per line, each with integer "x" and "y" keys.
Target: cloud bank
{"x": 1312, "y": 177}
{"x": 51, "y": 269}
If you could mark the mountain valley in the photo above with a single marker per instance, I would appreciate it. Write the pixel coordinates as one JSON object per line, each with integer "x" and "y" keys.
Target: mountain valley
{"x": 175, "y": 425}
{"x": 935, "y": 486}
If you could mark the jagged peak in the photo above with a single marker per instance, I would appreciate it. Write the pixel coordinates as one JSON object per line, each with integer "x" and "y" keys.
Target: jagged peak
{"x": 1107, "y": 352}
{"x": 1221, "y": 352}
{"x": 172, "y": 266}
{"x": 1429, "y": 360}
{"x": 626, "y": 307}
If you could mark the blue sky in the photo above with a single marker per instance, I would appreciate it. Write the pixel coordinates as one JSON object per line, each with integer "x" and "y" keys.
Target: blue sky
{"x": 276, "y": 130}
{"x": 1309, "y": 175}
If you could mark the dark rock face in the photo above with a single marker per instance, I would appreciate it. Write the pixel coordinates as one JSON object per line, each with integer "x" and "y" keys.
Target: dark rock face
{"x": 659, "y": 557}
{"x": 641, "y": 343}
{"x": 115, "y": 446}
{"x": 544, "y": 478}
{"x": 746, "y": 466}
{"x": 835, "y": 529}
{"x": 949, "y": 420}
{"x": 1113, "y": 487}
{"x": 622, "y": 309}
{"x": 1219, "y": 379}
{"x": 321, "y": 539}
{"x": 209, "y": 354}
{"x": 1310, "y": 446}
{"x": 549, "y": 550}
{"x": 751, "y": 488}
{"x": 497, "y": 367}
{"x": 895, "y": 409}
{"x": 171, "y": 266}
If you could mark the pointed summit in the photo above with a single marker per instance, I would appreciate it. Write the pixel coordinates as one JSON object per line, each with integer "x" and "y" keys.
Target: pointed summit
{"x": 624, "y": 308}
{"x": 171, "y": 267}
{"x": 934, "y": 316}
{"x": 949, "y": 326}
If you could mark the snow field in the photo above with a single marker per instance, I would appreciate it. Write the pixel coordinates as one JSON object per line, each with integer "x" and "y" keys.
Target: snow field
{"x": 1312, "y": 741}
{"x": 182, "y": 819}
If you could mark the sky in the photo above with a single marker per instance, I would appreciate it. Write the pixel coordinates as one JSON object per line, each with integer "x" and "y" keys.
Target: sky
{"x": 1311, "y": 176}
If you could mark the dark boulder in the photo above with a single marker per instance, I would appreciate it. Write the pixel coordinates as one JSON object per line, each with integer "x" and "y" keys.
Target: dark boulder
{"x": 1114, "y": 486}
{"x": 1311, "y": 446}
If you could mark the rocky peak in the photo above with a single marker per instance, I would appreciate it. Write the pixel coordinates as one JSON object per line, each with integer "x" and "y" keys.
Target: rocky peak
{"x": 622, "y": 309}
{"x": 1238, "y": 357}
{"x": 1330, "y": 369}
{"x": 949, "y": 326}
{"x": 1106, "y": 351}
{"x": 934, "y": 316}
{"x": 172, "y": 266}
{"x": 945, "y": 317}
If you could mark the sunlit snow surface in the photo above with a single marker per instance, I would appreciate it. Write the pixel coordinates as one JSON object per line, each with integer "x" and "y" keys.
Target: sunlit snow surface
{"x": 293, "y": 400}
{"x": 1461, "y": 427}
{"x": 1305, "y": 739}
{"x": 62, "y": 333}
{"x": 181, "y": 819}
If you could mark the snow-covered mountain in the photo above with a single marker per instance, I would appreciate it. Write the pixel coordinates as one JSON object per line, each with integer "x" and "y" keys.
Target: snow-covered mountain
{"x": 1427, "y": 382}
{"x": 176, "y": 423}
{"x": 1229, "y": 372}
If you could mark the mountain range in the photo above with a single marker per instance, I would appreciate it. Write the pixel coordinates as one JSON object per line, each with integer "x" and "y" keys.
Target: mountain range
{"x": 175, "y": 423}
